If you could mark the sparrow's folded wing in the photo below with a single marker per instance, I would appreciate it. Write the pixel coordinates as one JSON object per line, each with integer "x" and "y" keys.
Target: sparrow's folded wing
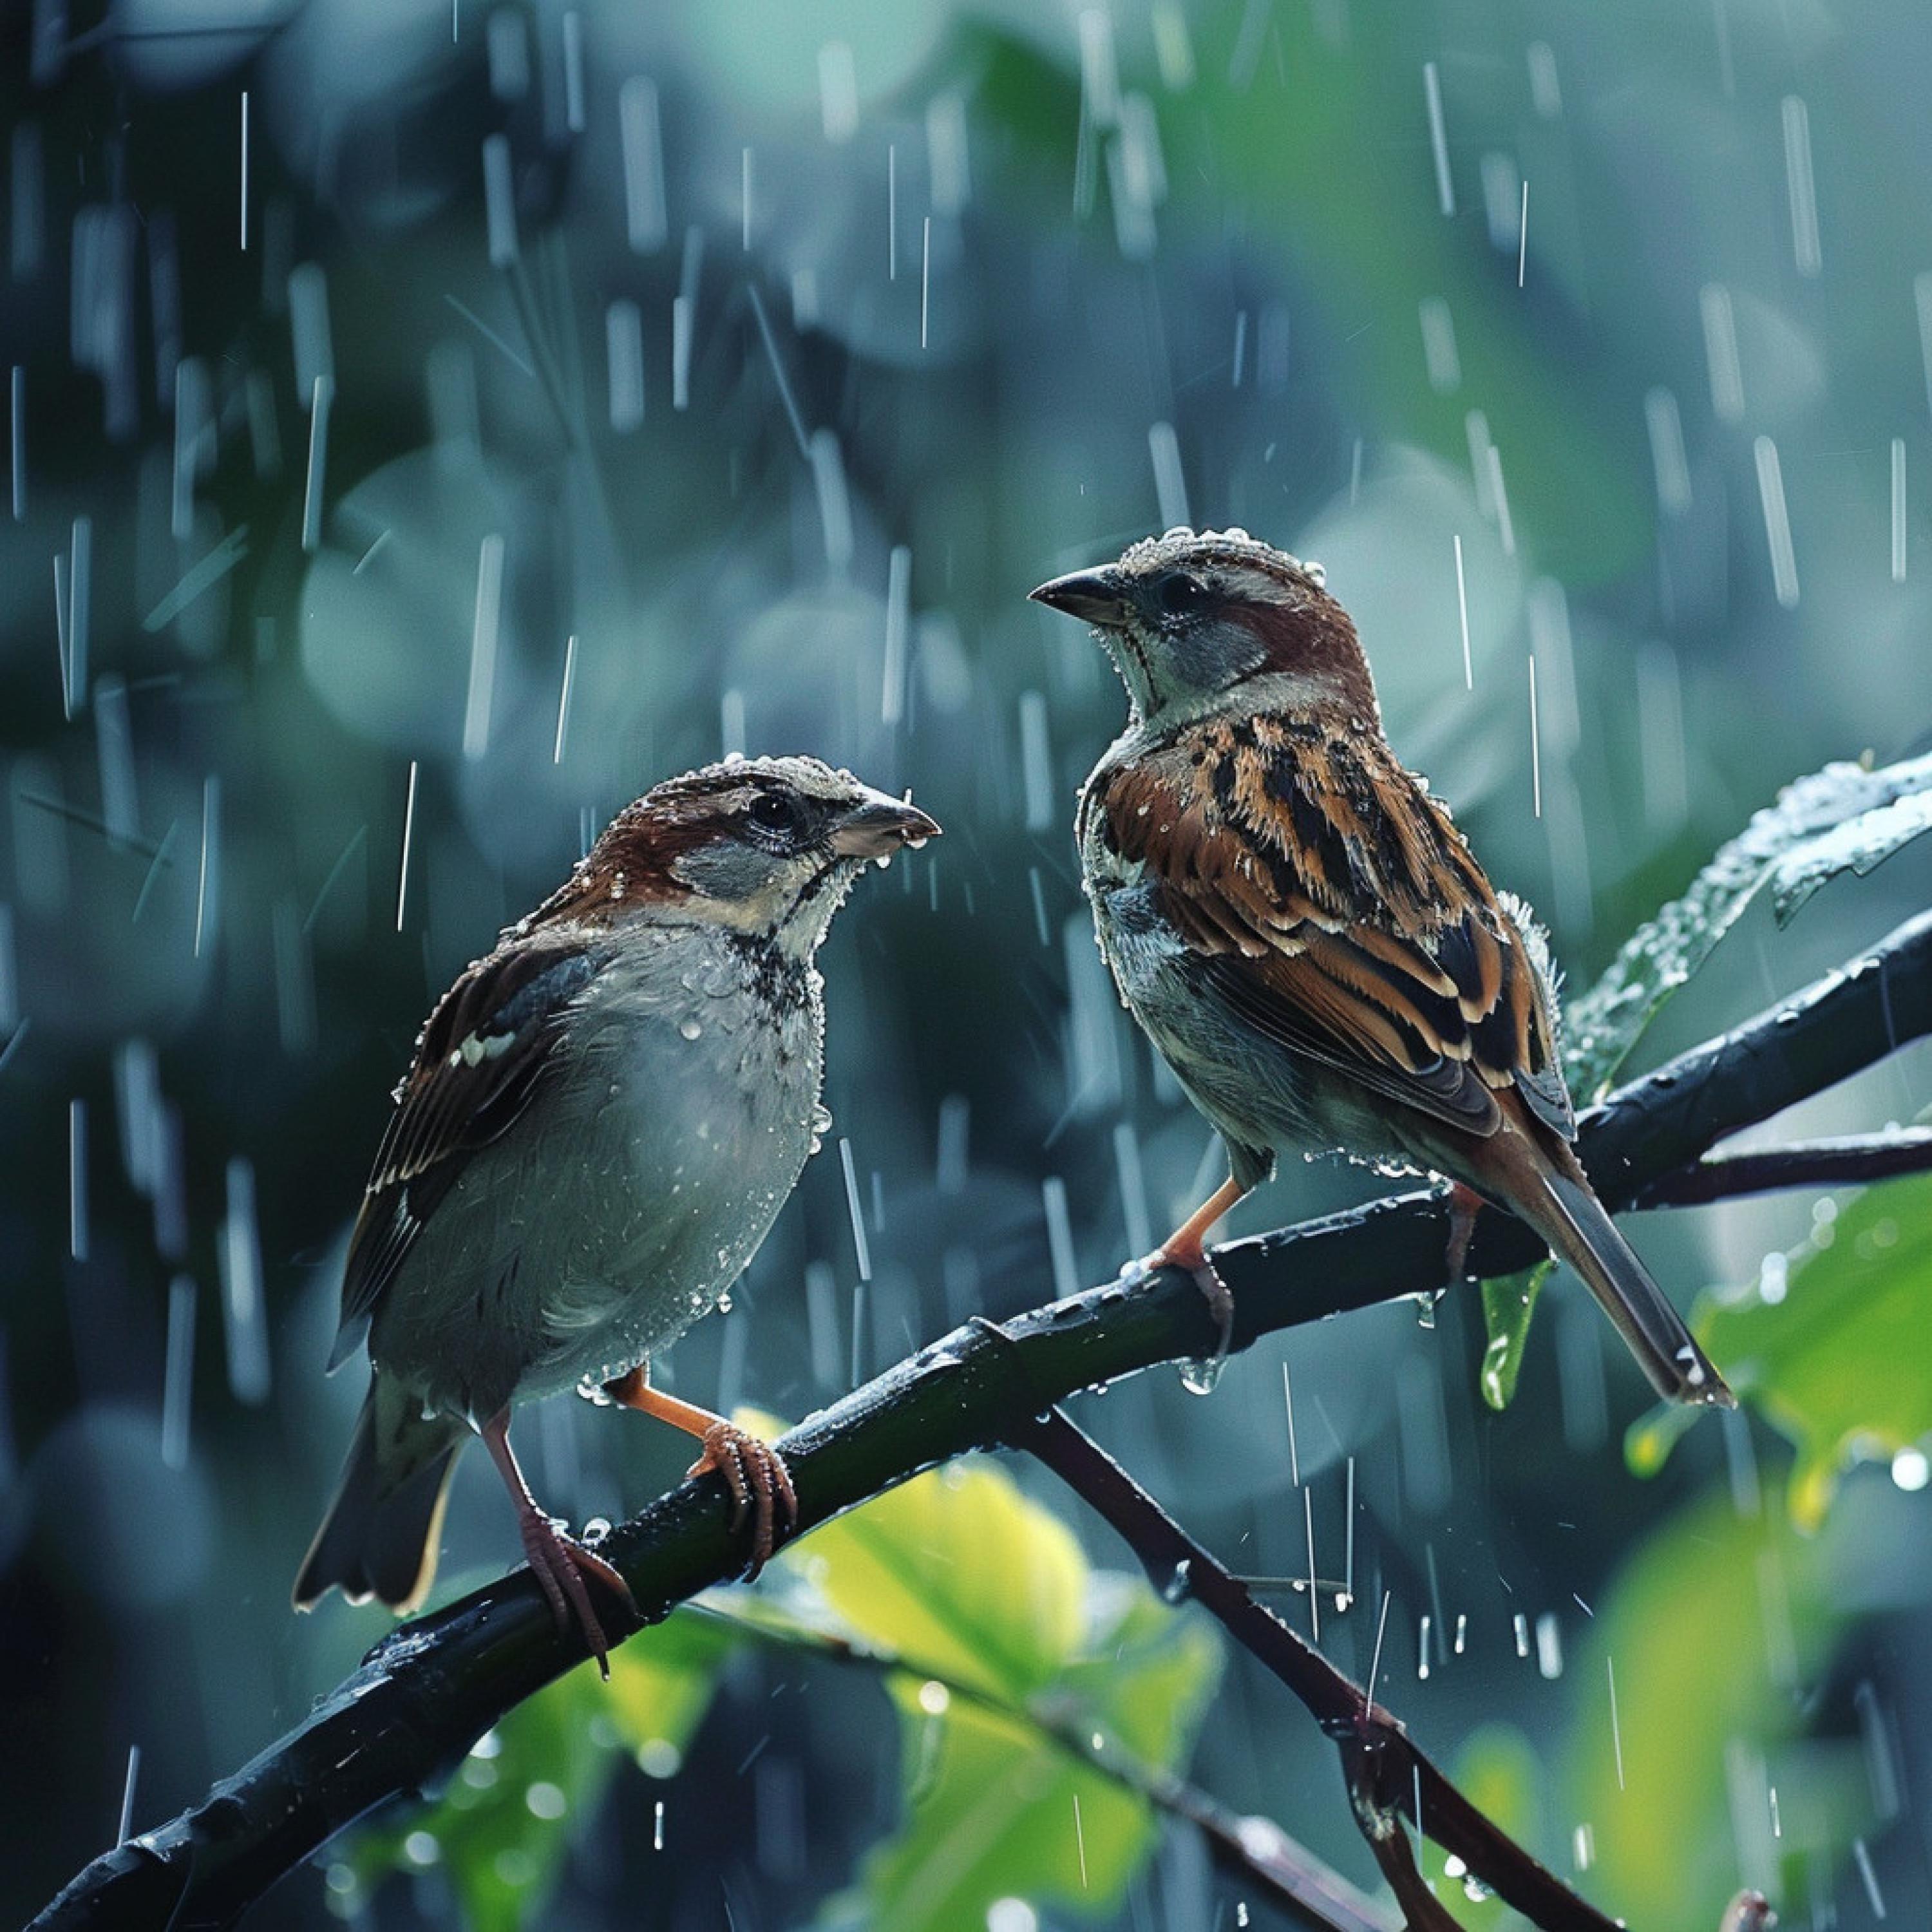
{"x": 477, "y": 1063}
{"x": 1331, "y": 904}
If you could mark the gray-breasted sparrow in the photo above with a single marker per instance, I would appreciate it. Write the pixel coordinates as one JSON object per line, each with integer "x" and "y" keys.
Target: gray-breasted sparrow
{"x": 1306, "y": 935}
{"x": 603, "y": 1118}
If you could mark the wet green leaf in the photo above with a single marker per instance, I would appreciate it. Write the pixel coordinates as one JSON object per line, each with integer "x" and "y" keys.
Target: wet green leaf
{"x": 958, "y": 1569}
{"x": 1509, "y": 1302}
{"x": 1843, "y": 818}
{"x": 1835, "y": 1360}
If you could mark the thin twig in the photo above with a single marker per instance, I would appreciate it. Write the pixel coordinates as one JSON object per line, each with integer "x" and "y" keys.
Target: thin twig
{"x": 1387, "y": 1776}
{"x": 1846, "y": 1160}
{"x": 422, "y": 1698}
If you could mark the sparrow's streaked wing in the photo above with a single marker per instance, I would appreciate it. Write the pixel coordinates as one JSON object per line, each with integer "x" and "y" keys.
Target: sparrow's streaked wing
{"x": 477, "y": 1063}
{"x": 1366, "y": 939}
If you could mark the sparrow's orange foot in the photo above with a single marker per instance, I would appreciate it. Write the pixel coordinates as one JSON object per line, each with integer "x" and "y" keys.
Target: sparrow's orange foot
{"x": 760, "y": 1486}
{"x": 1465, "y": 1204}
{"x": 560, "y": 1563}
{"x": 1204, "y": 1276}
{"x": 1186, "y": 1248}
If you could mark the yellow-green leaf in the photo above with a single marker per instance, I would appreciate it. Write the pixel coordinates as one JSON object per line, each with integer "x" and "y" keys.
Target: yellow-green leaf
{"x": 958, "y": 1569}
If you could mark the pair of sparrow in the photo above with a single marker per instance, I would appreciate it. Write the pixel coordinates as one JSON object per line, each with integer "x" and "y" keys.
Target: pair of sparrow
{"x": 604, "y": 1114}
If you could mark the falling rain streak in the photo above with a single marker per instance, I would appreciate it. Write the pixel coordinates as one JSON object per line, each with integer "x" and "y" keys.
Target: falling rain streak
{"x": 1463, "y": 616}
{"x": 1170, "y": 487}
{"x": 1535, "y": 744}
{"x": 244, "y": 1318}
{"x": 1898, "y": 509}
{"x": 1799, "y": 185}
{"x": 1720, "y": 352}
{"x": 483, "y": 649}
{"x": 1777, "y": 522}
{"x": 863, "y": 1251}
{"x": 563, "y": 697}
{"x": 409, "y": 830}
{"x": 1439, "y": 139}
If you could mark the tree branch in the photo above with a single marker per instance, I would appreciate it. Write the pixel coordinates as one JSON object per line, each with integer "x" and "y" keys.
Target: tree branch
{"x": 1387, "y": 1776}
{"x": 422, "y": 1696}
{"x": 1846, "y": 1160}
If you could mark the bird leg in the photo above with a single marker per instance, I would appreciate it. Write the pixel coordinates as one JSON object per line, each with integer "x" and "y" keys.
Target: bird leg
{"x": 1184, "y": 1249}
{"x": 1465, "y": 1204}
{"x": 759, "y": 1484}
{"x": 557, "y": 1561}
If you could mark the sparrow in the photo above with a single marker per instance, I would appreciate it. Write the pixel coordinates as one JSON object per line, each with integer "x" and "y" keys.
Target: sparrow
{"x": 601, "y": 1120}
{"x": 1304, "y": 934}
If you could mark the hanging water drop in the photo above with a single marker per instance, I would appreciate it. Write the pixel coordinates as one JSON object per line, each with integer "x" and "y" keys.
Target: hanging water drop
{"x": 1199, "y": 1374}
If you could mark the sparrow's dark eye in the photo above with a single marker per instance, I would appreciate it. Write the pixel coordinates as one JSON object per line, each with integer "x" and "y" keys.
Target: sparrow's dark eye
{"x": 777, "y": 811}
{"x": 1181, "y": 596}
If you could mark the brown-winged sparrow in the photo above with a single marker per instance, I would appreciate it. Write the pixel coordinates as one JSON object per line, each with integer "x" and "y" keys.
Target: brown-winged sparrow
{"x": 602, "y": 1119}
{"x": 1305, "y": 934}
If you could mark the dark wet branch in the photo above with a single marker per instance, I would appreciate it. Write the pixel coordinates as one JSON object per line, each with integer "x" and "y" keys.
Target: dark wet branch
{"x": 422, "y": 1698}
{"x": 1848, "y": 1160}
{"x": 1390, "y": 1780}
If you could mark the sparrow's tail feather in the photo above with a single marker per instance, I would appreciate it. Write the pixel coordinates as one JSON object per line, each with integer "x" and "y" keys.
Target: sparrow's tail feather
{"x": 380, "y": 1536}
{"x": 1581, "y": 1231}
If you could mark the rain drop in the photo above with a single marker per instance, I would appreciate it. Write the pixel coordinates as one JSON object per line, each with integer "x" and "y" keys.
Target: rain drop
{"x": 1199, "y": 1375}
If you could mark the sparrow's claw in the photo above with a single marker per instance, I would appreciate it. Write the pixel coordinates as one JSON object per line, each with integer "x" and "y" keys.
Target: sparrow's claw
{"x": 1465, "y": 1204}
{"x": 760, "y": 1486}
{"x": 560, "y": 1565}
{"x": 1202, "y": 1272}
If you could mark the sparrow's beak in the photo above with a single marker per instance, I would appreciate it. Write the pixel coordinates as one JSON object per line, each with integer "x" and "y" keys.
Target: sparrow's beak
{"x": 1093, "y": 596}
{"x": 877, "y": 827}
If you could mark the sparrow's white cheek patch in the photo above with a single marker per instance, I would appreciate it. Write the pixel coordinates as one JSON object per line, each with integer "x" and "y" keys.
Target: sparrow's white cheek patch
{"x": 477, "y": 1048}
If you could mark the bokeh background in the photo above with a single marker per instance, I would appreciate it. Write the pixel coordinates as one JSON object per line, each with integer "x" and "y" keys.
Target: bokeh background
{"x": 737, "y": 368}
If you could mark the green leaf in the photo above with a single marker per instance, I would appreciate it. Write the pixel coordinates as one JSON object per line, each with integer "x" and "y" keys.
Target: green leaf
{"x": 502, "y": 1827}
{"x": 1509, "y": 1302}
{"x": 1712, "y": 1630}
{"x": 958, "y": 1569}
{"x": 1856, "y": 846}
{"x": 1835, "y": 1359}
{"x": 967, "y": 1579}
{"x": 1842, "y": 819}
{"x": 661, "y": 1686}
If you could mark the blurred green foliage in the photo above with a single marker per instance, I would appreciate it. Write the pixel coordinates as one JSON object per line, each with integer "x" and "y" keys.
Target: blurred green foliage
{"x": 537, "y": 1781}
{"x": 1712, "y": 1631}
{"x": 1830, "y": 1348}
